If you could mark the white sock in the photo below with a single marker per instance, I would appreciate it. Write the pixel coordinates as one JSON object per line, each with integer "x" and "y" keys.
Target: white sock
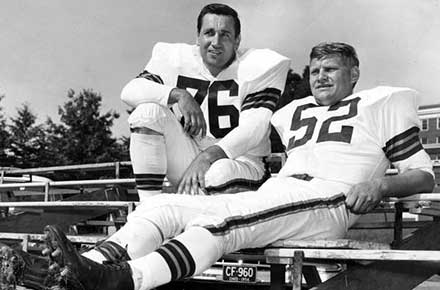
{"x": 149, "y": 162}
{"x": 189, "y": 253}
{"x": 94, "y": 256}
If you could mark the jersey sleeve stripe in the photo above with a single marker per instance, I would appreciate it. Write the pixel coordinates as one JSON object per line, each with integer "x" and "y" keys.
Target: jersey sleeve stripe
{"x": 267, "y": 98}
{"x": 403, "y": 145}
{"x": 416, "y": 147}
{"x": 402, "y": 137}
{"x": 149, "y": 76}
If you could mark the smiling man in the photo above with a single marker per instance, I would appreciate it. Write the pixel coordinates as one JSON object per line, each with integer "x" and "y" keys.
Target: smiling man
{"x": 202, "y": 112}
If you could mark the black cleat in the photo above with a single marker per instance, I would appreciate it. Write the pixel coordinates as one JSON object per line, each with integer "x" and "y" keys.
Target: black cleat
{"x": 69, "y": 270}
{"x": 21, "y": 268}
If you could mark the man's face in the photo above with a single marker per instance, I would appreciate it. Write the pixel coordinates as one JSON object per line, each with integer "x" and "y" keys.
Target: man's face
{"x": 331, "y": 79}
{"x": 217, "y": 41}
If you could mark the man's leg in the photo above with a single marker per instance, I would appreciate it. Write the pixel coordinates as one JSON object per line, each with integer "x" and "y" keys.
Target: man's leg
{"x": 236, "y": 175}
{"x": 173, "y": 260}
{"x": 68, "y": 270}
{"x": 158, "y": 146}
{"x": 283, "y": 208}
{"x": 162, "y": 217}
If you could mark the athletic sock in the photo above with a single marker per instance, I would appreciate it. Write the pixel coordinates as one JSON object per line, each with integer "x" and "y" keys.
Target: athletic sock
{"x": 181, "y": 257}
{"x": 108, "y": 251}
{"x": 148, "y": 158}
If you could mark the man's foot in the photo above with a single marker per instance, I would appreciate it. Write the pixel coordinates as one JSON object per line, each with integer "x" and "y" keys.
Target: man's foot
{"x": 12, "y": 267}
{"x": 21, "y": 268}
{"x": 69, "y": 270}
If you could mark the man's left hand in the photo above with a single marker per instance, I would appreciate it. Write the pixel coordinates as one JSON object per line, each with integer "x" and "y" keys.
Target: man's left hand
{"x": 193, "y": 180}
{"x": 364, "y": 197}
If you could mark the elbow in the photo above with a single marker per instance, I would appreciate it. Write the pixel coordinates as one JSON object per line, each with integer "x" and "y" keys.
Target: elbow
{"x": 427, "y": 182}
{"x": 430, "y": 183}
{"x": 128, "y": 94}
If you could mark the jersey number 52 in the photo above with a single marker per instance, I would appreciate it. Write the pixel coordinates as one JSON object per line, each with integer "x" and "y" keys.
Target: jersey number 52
{"x": 324, "y": 135}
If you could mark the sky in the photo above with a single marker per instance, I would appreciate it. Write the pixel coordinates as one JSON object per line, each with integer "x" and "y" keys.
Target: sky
{"x": 48, "y": 47}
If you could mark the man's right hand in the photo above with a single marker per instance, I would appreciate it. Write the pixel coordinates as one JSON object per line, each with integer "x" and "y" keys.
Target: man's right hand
{"x": 194, "y": 121}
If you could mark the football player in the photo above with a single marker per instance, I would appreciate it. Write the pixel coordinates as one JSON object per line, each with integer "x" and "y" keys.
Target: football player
{"x": 339, "y": 145}
{"x": 202, "y": 112}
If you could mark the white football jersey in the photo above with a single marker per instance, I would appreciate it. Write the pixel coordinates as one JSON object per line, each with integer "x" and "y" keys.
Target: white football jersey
{"x": 253, "y": 82}
{"x": 354, "y": 140}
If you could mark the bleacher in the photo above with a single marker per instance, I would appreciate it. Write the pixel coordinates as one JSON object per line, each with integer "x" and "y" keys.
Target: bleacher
{"x": 91, "y": 209}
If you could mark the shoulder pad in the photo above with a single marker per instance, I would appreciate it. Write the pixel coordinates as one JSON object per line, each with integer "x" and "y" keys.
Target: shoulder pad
{"x": 171, "y": 52}
{"x": 385, "y": 94}
{"x": 254, "y": 63}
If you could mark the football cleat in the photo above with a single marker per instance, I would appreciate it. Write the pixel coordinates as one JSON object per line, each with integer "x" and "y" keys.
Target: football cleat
{"x": 21, "y": 268}
{"x": 69, "y": 270}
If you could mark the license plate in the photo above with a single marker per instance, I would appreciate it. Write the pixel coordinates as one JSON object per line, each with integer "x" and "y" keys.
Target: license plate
{"x": 239, "y": 273}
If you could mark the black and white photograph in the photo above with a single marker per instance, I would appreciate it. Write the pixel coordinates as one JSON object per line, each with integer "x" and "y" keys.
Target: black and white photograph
{"x": 194, "y": 144}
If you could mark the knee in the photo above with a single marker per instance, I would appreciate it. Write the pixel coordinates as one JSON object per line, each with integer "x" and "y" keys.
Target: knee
{"x": 218, "y": 172}
{"x": 149, "y": 115}
{"x": 152, "y": 203}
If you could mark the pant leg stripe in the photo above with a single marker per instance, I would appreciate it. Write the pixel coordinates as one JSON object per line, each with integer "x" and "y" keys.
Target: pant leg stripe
{"x": 249, "y": 183}
{"x": 244, "y": 221}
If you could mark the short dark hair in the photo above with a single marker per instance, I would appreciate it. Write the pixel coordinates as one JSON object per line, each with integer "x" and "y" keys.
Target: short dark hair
{"x": 219, "y": 9}
{"x": 345, "y": 51}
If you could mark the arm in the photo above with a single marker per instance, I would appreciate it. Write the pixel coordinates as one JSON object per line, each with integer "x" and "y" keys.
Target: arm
{"x": 149, "y": 86}
{"x": 401, "y": 145}
{"x": 254, "y": 127}
{"x": 365, "y": 196}
{"x": 143, "y": 90}
{"x": 148, "y": 89}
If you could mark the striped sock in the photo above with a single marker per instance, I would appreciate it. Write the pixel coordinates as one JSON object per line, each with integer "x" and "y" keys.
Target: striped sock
{"x": 149, "y": 182}
{"x": 178, "y": 259}
{"x": 112, "y": 252}
{"x": 149, "y": 161}
{"x": 183, "y": 256}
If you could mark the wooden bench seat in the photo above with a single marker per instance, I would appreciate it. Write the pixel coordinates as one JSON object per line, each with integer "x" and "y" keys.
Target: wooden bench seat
{"x": 420, "y": 250}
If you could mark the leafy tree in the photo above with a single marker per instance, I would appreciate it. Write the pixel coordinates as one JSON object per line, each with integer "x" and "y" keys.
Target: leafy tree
{"x": 296, "y": 87}
{"x": 28, "y": 145}
{"x": 86, "y": 133}
{"x": 55, "y": 143}
{"x": 4, "y": 139}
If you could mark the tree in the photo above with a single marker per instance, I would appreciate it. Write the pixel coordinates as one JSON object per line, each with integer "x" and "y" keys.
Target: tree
{"x": 296, "y": 87}
{"x": 86, "y": 133}
{"x": 56, "y": 143}
{"x": 4, "y": 139}
{"x": 28, "y": 145}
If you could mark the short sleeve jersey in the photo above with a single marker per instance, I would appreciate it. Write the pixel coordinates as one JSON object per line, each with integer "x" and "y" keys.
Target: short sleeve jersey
{"x": 254, "y": 80}
{"x": 355, "y": 139}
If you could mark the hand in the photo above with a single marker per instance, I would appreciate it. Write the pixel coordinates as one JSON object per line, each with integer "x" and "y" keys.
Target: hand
{"x": 364, "y": 197}
{"x": 192, "y": 114}
{"x": 193, "y": 180}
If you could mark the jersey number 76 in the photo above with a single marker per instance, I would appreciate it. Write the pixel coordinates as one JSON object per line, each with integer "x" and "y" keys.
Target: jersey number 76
{"x": 204, "y": 88}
